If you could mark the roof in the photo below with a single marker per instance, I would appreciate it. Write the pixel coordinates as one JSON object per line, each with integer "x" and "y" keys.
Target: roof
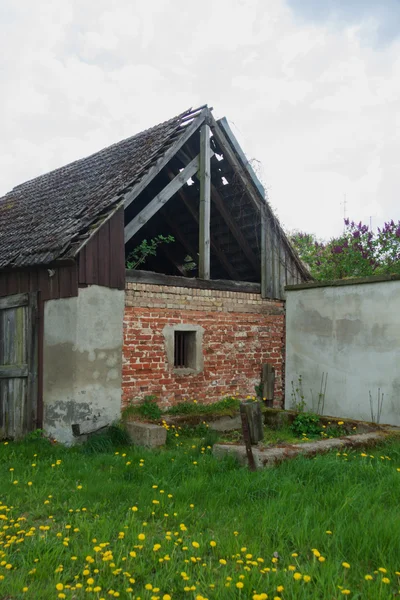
{"x": 51, "y": 216}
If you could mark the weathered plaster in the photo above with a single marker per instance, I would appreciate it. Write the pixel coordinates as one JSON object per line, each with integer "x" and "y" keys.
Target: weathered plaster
{"x": 82, "y": 361}
{"x": 352, "y": 333}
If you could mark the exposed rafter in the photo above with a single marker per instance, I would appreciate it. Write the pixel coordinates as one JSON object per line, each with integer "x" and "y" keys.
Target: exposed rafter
{"x": 164, "y": 160}
{"x": 205, "y": 202}
{"x": 234, "y": 228}
{"x": 160, "y": 199}
{"x": 216, "y": 248}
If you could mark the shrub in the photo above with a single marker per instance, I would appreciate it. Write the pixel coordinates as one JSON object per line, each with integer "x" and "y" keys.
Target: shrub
{"x": 306, "y": 423}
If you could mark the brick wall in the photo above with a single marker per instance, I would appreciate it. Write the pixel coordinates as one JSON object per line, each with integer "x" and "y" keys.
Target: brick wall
{"x": 241, "y": 332}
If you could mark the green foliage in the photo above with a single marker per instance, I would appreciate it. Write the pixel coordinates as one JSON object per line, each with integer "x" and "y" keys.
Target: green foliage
{"x": 139, "y": 255}
{"x": 32, "y": 436}
{"x": 298, "y": 399}
{"x": 228, "y": 404}
{"x": 306, "y": 423}
{"x": 259, "y": 390}
{"x": 358, "y": 252}
{"x": 112, "y": 437}
{"x": 150, "y": 409}
{"x": 291, "y": 508}
{"x": 147, "y": 408}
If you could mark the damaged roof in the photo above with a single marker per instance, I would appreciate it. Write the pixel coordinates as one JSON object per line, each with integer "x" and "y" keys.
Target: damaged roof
{"x": 50, "y": 217}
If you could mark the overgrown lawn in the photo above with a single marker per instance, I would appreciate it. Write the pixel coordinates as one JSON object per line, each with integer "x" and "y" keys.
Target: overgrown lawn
{"x": 102, "y": 522}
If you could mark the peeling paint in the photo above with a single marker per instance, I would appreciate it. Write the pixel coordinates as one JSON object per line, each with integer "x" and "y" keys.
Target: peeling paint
{"x": 82, "y": 361}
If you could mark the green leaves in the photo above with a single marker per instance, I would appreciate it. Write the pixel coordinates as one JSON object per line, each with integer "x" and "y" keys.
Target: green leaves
{"x": 358, "y": 252}
{"x": 145, "y": 249}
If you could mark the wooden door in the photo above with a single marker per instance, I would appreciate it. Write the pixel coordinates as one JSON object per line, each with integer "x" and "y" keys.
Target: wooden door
{"x": 18, "y": 365}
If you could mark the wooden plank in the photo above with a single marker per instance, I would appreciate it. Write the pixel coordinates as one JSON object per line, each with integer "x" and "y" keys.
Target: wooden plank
{"x": 234, "y": 229}
{"x": 160, "y": 199}
{"x": 164, "y": 160}
{"x": 82, "y": 266}
{"x": 268, "y": 383}
{"x": 14, "y": 301}
{"x": 13, "y": 371}
{"x": 40, "y": 343}
{"x": 205, "y": 202}
{"x": 117, "y": 251}
{"x": 269, "y": 258}
{"x": 139, "y": 276}
{"x": 265, "y": 274}
{"x": 230, "y": 156}
{"x": 30, "y": 413}
{"x": 223, "y": 123}
{"x": 282, "y": 271}
{"x": 103, "y": 240}
{"x": 246, "y": 437}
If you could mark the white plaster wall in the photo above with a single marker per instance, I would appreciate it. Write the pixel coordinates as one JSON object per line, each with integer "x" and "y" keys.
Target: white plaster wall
{"x": 352, "y": 333}
{"x": 82, "y": 361}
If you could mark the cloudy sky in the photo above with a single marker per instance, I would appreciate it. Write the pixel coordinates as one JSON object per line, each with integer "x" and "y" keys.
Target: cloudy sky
{"x": 311, "y": 89}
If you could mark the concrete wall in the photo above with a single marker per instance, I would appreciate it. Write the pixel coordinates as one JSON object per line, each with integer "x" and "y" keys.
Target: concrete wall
{"x": 351, "y": 332}
{"x": 236, "y": 333}
{"x": 82, "y": 361}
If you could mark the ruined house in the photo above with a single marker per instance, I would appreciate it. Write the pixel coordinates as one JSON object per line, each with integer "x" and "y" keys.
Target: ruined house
{"x": 79, "y": 334}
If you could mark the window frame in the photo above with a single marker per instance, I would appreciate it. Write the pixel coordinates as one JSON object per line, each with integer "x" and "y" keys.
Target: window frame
{"x": 197, "y": 358}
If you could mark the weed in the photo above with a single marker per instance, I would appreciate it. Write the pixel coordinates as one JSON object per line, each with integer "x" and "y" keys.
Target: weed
{"x": 306, "y": 423}
{"x": 127, "y": 518}
{"x": 228, "y": 404}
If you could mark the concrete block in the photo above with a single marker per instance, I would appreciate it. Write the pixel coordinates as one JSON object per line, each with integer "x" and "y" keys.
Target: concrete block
{"x": 268, "y": 457}
{"x": 146, "y": 434}
{"x": 226, "y": 423}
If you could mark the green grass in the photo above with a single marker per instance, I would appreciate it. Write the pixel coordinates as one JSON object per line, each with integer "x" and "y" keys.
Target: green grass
{"x": 149, "y": 409}
{"x": 79, "y": 507}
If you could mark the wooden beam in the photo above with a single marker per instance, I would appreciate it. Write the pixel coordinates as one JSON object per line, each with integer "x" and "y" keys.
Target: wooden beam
{"x": 14, "y": 301}
{"x": 205, "y": 202}
{"x": 267, "y": 270}
{"x": 9, "y": 372}
{"x": 140, "y": 276}
{"x": 160, "y": 164}
{"x": 158, "y": 201}
{"x": 226, "y": 215}
{"x": 251, "y": 185}
{"x": 231, "y": 271}
{"x": 234, "y": 229}
{"x": 231, "y": 157}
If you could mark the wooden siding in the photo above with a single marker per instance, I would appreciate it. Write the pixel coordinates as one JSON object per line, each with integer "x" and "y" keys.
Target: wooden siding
{"x": 52, "y": 282}
{"x": 102, "y": 259}
{"x": 18, "y": 365}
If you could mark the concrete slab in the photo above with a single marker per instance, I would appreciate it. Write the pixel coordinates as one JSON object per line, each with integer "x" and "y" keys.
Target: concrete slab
{"x": 146, "y": 434}
{"x": 268, "y": 457}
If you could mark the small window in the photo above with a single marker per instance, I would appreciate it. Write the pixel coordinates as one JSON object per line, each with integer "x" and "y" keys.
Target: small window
{"x": 185, "y": 349}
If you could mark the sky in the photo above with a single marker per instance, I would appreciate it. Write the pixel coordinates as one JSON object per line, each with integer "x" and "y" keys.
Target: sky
{"x": 310, "y": 88}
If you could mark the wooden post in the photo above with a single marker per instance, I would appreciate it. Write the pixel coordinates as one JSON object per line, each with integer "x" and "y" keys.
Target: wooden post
{"x": 205, "y": 199}
{"x": 246, "y": 437}
{"x": 255, "y": 420}
{"x": 267, "y": 275}
{"x": 268, "y": 384}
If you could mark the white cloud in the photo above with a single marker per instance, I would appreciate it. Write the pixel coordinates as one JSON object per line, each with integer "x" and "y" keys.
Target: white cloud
{"x": 316, "y": 104}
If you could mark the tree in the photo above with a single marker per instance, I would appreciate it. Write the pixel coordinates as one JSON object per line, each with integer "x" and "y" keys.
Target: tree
{"x": 358, "y": 252}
